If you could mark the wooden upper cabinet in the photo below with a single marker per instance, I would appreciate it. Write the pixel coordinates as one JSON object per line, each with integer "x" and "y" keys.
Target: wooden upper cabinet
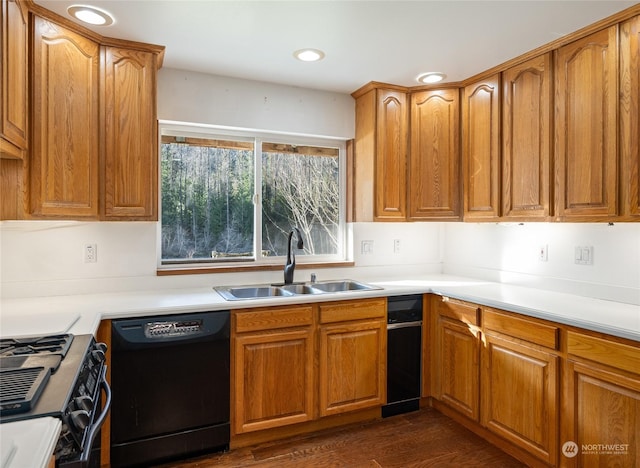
{"x": 526, "y": 142}
{"x": 630, "y": 118}
{"x": 481, "y": 149}
{"x": 13, "y": 76}
{"x": 586, "y": 130}
{"x": 391, "y": 156}
{"x": 65, "y": 152}
{"x": 435, "y": 184}
{"x": 380, "y": 154}
{"x": 130, "y": 143}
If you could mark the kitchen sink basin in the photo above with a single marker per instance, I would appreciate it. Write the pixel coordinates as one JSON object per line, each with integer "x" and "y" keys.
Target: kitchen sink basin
{"x": 301, "y": 289}
{"x": 238, "y": 293}
{"x": 251, "y": 292}
{"x": 343, "y": 285}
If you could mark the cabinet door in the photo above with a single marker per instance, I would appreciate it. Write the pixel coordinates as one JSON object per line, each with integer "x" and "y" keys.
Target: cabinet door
{"x": 434, "y": 165}
{"x": 526, "y": 143}
{"x": 601, "y": 416}
{"x": 391, "y": 156}
{"x": 273, "y": 379}
{"x": 585, "y": 120}
{"x": 481, "y": 149}
{"x": 520, "y": 394}
{"x": 457, "y": 358}
{"x": 64, "y": 169}
{"x": 352, "y": 372}
{"x": 13, "y": 73}
{"x": 130, "y": 144}
{"x": 630, "y": 117}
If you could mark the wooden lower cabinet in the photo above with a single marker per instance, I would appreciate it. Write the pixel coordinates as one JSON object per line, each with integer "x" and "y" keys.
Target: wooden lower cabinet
{"x": 459, "y": 377}
{"x": 602, "y": 417}
{"x": 352, "y": 356}
{"x": 272, "y": 368}
{"x": 351, "y": 366}
{"x": 601, "y": 410}
{"x": 456, "y": 354}
{"x": 519, "y": 394}
{"x": 298, "y": 364}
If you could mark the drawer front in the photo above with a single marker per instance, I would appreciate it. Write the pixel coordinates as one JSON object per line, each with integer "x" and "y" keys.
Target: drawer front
{"x": 524, "y": 329}
{"x": 606, "y": 352}
{"x": 273, "y": 318}
{"x": 458, "y": 310}
{"x": 353, "y": 310}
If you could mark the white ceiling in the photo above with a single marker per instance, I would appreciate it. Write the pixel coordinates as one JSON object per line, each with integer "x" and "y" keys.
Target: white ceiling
{"x": 387, "y": 41}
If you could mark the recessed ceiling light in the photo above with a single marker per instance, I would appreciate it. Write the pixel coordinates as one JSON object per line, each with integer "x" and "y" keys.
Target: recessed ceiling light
{"x": 309, "y": 55}
{"x": 91, "y": 15}
{"x": 431, "y": 77}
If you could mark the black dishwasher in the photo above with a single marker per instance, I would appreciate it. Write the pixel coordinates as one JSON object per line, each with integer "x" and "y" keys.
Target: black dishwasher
{"x": 404, "y": 351}
{"x": 170, "y": 385}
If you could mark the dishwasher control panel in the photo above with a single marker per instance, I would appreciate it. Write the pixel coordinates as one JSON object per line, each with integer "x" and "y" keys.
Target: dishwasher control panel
{"x": 172, "y": 328}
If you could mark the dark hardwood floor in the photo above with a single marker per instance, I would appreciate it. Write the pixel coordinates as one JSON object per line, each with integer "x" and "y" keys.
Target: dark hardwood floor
{"x": 424, "y": 438}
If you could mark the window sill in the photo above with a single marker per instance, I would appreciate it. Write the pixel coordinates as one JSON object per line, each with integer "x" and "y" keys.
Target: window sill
{"x": 208, "y": 269}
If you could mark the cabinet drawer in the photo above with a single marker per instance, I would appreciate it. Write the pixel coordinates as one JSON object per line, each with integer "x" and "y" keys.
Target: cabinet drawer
{"x": 352, "y": 310}
{"x": 272, "y": 318}
{"x": 458, "y": 310}
{"x": 524, "y": 329}
{"x": 607, "y": 352}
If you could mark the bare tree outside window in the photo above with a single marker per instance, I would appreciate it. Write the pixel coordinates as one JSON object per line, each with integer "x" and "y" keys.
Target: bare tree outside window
{"x": 300, "y": 189}
{"x": 208, "y": 210}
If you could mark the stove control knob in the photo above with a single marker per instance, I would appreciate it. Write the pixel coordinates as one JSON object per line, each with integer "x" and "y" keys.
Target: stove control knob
{"x": 101, "y": 346}
{"x": 84, "y": 402}
{"x": 79, "y": 419}
{"x": 98, "y": 356}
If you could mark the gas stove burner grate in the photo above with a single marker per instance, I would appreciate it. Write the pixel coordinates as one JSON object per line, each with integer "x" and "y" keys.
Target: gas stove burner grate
{"x": 20, "y": 388}
{"x": 54, "y": 344}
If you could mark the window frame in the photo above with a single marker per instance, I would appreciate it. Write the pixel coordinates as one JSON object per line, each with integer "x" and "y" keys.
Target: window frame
{"x": 258, "y": 262}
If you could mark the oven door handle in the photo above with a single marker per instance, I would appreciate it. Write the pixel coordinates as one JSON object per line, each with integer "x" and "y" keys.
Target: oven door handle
{"x": 95, "y": 428}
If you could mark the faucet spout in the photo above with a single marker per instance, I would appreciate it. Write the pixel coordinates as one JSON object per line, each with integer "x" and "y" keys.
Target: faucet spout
{"x": 290, "y": 265}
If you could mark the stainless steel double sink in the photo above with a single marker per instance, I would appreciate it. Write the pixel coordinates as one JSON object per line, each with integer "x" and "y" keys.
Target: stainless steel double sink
{"x": 261, "y": 291}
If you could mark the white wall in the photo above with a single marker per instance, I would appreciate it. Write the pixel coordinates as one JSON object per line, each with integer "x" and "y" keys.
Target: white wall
{"x": 216, "y": 100}
{"x": 509, "y": 253}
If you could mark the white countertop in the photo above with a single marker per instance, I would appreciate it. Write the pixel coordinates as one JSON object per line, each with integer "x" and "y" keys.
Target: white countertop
{"x": 81, "y": 314}
{"x": 28, "y": 444}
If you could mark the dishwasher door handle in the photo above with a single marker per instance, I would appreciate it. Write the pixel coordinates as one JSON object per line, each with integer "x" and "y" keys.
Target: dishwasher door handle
{"x": 395, "y": 326}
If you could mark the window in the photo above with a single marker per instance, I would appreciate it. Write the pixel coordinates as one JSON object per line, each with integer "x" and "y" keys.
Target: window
{"x": 234, "y": 197}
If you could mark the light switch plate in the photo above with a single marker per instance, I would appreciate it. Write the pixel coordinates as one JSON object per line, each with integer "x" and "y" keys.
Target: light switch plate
{"x": 366, "y": 247}
{"x": 583, "y": 255}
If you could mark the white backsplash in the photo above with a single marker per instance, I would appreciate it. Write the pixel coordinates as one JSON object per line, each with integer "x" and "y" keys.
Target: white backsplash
{"x": 42, "y": 258}
{"x": 509, "y": 253}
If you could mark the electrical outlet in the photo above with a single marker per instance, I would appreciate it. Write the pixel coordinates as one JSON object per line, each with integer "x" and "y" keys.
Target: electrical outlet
{"x": 90, "y": 253}
{"x": 396, "y": 245}
{"x": 543, "y": 253}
